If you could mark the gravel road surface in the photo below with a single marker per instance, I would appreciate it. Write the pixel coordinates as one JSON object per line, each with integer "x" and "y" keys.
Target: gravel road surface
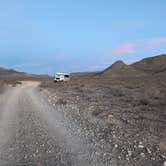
{"x": 32, "y": 132}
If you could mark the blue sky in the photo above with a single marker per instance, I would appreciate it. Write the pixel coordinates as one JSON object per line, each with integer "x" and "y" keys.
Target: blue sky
{"x": 45, "y": 36}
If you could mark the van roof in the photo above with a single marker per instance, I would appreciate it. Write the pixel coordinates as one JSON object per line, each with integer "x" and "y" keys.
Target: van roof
{"x": 61, "y": 73}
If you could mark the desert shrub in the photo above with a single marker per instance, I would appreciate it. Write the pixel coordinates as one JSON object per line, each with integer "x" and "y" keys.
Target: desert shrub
{"x": 110, "y": 125}
{"x": 1, "y": 86}
{"x": 61, "y": 102}
{"x": 18, "y": 82}
{"x": 117, "y": 92}
{"x": 143, "y": 101}
{"x": 96, "y": 112}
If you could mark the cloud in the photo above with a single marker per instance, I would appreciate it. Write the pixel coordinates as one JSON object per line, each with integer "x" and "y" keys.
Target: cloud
{"x": 156, "y": 41}
{"x": 128, "y": 48}
{"x": 30, "y": 65}
{"x": 133, "y": 47}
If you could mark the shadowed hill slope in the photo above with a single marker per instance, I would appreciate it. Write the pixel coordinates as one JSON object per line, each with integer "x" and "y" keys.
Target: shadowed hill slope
{"x": 9, "y": 72}
{"x": 152, "y": 65}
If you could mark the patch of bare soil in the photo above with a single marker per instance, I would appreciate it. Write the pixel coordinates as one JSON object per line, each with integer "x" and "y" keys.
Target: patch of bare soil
{"x": 13, "y": 81}
{"x": 133, "y": 109}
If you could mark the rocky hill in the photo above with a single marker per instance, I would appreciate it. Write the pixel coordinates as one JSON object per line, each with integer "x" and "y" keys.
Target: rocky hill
{"x": 148, "y": 66}
{"x": 119, "y": 68}
{"x": 10, "y": 73}
{"x": 5, "y": 73}
{"x": 152, "y": 65}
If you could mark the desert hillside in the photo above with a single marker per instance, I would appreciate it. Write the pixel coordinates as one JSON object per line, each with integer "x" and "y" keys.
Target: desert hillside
{"x": 11, "y": 73}
{"x": 152, "y": 65}
{"x": 119, "y": 68}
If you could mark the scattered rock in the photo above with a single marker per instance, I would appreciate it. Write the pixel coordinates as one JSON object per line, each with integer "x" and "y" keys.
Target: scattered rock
{"x": 129, "y": 152}
{"x": 148, "y": 150}
{"x": 140, "y": 145}
{"x": 142, "y": 155}
{"x": 115, "y": 145}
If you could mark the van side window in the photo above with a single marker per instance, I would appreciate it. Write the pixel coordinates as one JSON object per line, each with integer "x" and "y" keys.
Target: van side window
{"x": 67, "y": 76}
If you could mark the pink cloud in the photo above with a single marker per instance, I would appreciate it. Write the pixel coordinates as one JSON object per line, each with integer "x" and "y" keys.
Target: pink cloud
{"x": 156, "y": 41}
{"x": 128, "y": 48}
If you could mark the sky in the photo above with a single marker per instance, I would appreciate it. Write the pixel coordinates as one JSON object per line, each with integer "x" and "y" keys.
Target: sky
{"x": 46, "y": 36}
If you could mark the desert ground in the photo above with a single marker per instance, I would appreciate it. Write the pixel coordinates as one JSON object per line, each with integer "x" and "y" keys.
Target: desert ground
{"x": 130, "y": 113}
{"x": 96, "y": 119}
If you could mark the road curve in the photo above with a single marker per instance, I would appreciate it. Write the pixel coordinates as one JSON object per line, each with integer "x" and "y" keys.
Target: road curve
{"x": 33, "y": 133}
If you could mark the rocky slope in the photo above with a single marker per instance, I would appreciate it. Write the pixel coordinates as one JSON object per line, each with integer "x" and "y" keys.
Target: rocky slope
{"x": 152, "y": 65}
{"x": 121, "y": 69}
{"x": 10, "y": 72}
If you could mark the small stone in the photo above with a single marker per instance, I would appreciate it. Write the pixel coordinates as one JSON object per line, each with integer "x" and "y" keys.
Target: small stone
{"x": 129, "y": 153}
{"x": 105, "y": 154}
{"x": 163, "y": 156}
{"x": 110, "y": 116}
{"x": 77, "y": 97}
{"x": 140, "y": 145}
{"x": 25, "y": 157}
{"x": 114, "y": 136}
{"x": 142, "y": 155}
{"x": 115, "y": 145}
{"x": 148, "y": 150}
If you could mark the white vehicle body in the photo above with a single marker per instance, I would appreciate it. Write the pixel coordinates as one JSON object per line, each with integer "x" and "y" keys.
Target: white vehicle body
{"x": 62, "y": 77}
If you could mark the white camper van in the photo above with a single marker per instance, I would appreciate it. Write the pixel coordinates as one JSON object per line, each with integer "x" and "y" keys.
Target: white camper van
{"x": 61, "y": 77}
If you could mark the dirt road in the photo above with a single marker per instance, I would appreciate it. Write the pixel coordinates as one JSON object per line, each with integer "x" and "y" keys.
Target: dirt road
{"x": 34, "y": 133}
{"x": 38, "y": 129}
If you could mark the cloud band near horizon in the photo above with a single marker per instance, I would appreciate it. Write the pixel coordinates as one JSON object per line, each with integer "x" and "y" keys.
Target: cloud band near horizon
{"x": 130, "y": 48}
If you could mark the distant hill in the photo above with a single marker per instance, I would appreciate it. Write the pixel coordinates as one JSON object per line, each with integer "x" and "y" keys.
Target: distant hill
{"x": 148, "y": 66}
{"x": 152, "y": 65}
{"x": 9, "y": 72}
{"x": 13, "y": 73}
{"x": 121, "y": 69}
{"x": 84, "y": 74}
